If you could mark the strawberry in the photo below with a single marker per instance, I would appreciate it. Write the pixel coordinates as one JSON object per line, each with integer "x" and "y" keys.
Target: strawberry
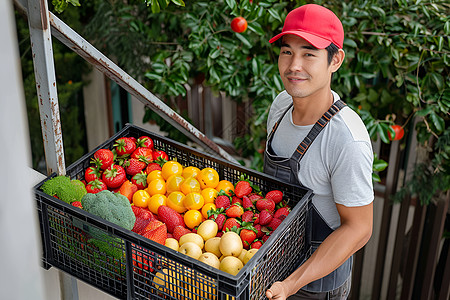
{"x": 134, "y": 166}
{"x": 247, "y": 216}
{"x": 264, "y": 204}
{"x": 77, "y": 204}
{"x": 256, "y": 219}
{"x": 282, "y": 213}
{"x": 136, "y": 210}
{"x": 235, "y": 211}
{"x": 235, "y": 199}
{"x": 219, "y": 218}
{"x": 114, "y": 176}
{"x": 140, "y": 180}
{"x": 158, "y": 234}
{"x": 256, "y": 245}
{"x": 146, "y": 214}
{"x": 96, "y": 186}
{"x": 247, "y": 203}
{"x": 140, "y": 225}
{"x": 103, "y": 158}
{"x": 265, "y": 237}
{"x": 242, "y": 188}
{"x": 160, "y": 155}
{"x": 143, "y": 153}
{"x": 230, "y": 224}
{"x": 144, "y": 141}
{"x": 222, "y": 201}
{"x": 152, "y": 167}
{"x": 259, "y": 233}
{"x": 265, "y": 217}
{"x": 275, "y": 195}
{"x": 179, "y": 231}
{"x": 170, "y": 217}
{"x": 92, "y": 173}
{"x": 152, "y": 224}
{"x": 274, "y": 223}
{"x": 254, "y": 197}
{"x": 248, "y": 235}
{"x": 124, "y": 146}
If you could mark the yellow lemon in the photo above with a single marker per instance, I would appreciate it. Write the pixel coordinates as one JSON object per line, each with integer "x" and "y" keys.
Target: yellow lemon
{"x": 156, "y": 174}
{"x": 190, "y": 172}
{"x": 173, "y": 183}
{"x": 190, "y": 185}
{"x": 193, "y": 201}
{"x": 209, "y": 195}
{"x": 208, "y": 177}
{"x": 192, "y": 218}
{"x": 157, "y": 186}
{"x": 175, "y": 201}
{"x": 155, "y": 202}
{"x": 171, "y": 168}
{"x": 206, "y": 208}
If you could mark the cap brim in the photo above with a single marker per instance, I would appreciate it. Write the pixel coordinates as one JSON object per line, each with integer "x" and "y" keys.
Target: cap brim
{"x": 316, "y": 41}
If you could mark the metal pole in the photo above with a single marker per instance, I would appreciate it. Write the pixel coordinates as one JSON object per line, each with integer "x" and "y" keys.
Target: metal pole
{"x": 41, "y": 46}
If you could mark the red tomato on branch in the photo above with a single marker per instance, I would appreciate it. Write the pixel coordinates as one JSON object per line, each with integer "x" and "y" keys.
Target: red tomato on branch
{"x": 399, "y": 133}
{"x": 239, "y": 24}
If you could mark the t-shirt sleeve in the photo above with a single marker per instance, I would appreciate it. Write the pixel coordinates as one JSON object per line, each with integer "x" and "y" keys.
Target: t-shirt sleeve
{"x": 351, "y": 178}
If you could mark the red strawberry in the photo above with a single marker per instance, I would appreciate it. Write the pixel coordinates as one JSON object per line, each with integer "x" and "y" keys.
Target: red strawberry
{"x": 77, "y": 204}
{"x": 230, "y": 223}
{"x": 124, "y": 146}
{"x": 140, "y": 180}
{"x": 256, "y": 245}
{"x": 179, "y": 231}
{"x": 242, "y": 188}
{"x": 265, "y": 237}
{"x": 140, "y": 225}
{"x": 152, "y": 167}
{"x": 152, "y": 224}
{"x": 235, "y": 211}
{"x": 146, "y": 214}
{"x": 92, "y": 173}
{"x": 256, "y": 219}
{"x": 219, "y": 218}
{"x": 144, "y": 141}
{"x": 264, "y": 204}
{"x": 160, "y": 155}
{"x": 254, "y": 197}
{"x": 219, "y": 234}
{"x": 136, "y": 210}
{"x": 265, "y": 217}
{"x": 248, "y": 235}
{"x": 96, "y": 186}
{"x": 247, "y": 216}
{"x": 158, "y": 234}
{"x": 134, "y": 166}
{"x": 275, "y": 195}
{"x": 143, "y": 153}
{"x": 259, "y": 233}
{"x": 114, "y": 176}
{"x": 282, "y": 213}
{"x": 103, "y": 158}
{"x": 247, "y": 203}
{"x": 235, "y": 199}
{"x": 274, "y": 224}
{"x": 222, "y": 201}
{"x": 170, "y": 217}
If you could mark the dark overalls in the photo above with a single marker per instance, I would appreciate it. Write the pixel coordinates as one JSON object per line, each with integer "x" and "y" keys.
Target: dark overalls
{"x": 286, "y": 169}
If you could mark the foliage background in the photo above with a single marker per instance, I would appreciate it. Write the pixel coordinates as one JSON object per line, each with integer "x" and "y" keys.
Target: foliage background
{"x": 396, "y": 67}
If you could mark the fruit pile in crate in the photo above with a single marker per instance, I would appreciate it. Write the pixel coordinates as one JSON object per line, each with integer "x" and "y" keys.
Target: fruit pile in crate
{"x": 187, "y": 209}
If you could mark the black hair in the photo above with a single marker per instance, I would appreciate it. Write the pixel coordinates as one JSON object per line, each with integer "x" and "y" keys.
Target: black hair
{"x": 332, "y": 50}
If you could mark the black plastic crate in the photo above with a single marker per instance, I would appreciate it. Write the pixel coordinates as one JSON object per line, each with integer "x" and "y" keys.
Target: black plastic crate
{"x": 125, "y": 264}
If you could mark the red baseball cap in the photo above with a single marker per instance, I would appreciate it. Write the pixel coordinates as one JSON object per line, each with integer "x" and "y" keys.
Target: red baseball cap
{"x": 318, "y": 25}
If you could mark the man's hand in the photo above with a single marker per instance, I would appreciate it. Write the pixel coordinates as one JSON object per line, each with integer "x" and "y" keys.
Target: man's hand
{"x": 277, "y": 291}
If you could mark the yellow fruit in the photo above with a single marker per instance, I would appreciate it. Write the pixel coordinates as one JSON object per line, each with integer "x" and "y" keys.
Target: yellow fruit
{"x": 157, "y": 186}
{"x": 193, "y": 201}
{"x": 231, "y": 265}
{"x": 206, "y": 207}
{"x": 207, "y": 229}
{"x": 192, "y": 237}
{"x": 231, "y": 244}
{"x": 212, "y": 245}
{"x": 156, "y": 174}
{"x": 208, "y": 177}
{"x": 173, "y": 183}
{"x": 171, "y": 168}
{"x": 141, "y": 198}
{"x": 242, "y": 255}
{"x": 192, "y": 218}
{"x": 191, "y": 249}
{"x": 155, "y": 202}
{"x": 172, "y": 244}
{"x": 226, "y": 186}
{"x": 190, "y": 185}
{"x": 190, "y": 172}
{"x": 175, "y": 201}
{"x": 209, "y": 195}
{"x": 249, "y": 255}
{"x": 210, "y": 259}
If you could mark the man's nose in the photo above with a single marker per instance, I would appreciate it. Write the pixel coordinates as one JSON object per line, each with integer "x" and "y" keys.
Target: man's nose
{"x": 296, "y": 64}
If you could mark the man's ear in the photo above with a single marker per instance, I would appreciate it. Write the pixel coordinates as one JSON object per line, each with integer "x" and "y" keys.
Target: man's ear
{"x": 337, "y": 60}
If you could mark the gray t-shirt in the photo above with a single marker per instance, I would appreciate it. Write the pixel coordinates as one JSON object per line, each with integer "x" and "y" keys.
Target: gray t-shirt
{"x": 337, "y": 165}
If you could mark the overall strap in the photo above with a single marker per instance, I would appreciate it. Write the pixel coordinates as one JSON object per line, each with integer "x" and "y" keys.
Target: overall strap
{"x": 313, "y": 133}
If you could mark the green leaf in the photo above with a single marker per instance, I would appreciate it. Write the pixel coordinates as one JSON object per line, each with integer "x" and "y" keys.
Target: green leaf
{"x": 376, "y": 177}
{"x": 159, "y": 67}
{"x": 153, "y": 76}
{"x": 243, "y": 39}
{"x": 379, "y": 165}
{"x": 438, "y": 122}
{"x": 274, "y": 13}
{"x": 382, "y": 129}
{"x": 155, "y": 7}
{"x": 256, "y": 28}
{"x": 214, "y": 54}
{"x": 231, "y": 4}
{"x": 278, "y": 82}
{"x": 178, "y": 2}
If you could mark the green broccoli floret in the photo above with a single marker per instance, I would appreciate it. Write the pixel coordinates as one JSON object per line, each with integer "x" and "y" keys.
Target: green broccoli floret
{"x": 113, "y": 207}
{"x": 64, "y": 188}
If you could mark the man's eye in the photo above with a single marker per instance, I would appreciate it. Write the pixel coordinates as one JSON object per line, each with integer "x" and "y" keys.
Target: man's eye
{"x": 286, "y": 52}
{"x": 309, "y": 54}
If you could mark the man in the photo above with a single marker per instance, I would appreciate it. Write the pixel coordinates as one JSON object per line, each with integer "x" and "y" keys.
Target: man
{"x": 335, "y": 160}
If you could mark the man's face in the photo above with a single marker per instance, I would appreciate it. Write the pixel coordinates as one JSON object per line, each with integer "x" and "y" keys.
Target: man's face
{"x": 303, "y": 68}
